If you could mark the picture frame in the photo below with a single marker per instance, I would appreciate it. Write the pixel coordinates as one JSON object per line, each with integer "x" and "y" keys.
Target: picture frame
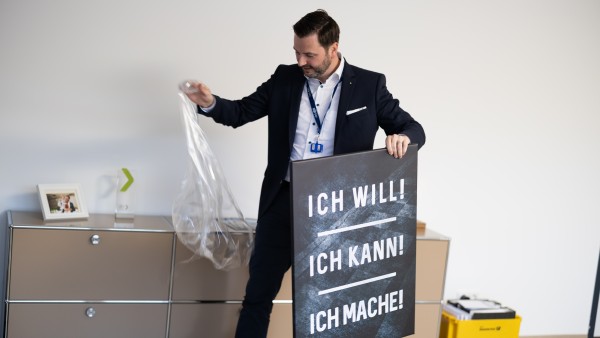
{"x": 62, "y": 201}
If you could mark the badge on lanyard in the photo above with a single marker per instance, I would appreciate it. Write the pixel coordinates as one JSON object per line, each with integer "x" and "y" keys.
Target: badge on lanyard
{"x": 317, "y": 147}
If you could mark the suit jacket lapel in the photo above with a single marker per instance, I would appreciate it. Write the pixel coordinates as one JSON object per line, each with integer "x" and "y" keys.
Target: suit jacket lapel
{"x": 296, "y": 89}
{"x": 348, "y": 84}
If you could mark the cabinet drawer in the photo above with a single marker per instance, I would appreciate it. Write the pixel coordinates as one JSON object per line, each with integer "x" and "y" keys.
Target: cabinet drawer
{"x": 432, "y": 256}
{"x": 71, "y": 320}
{"x": 50, "y": 264}
{"x": 427, "y": 320}
{"x": 220, "y": 320}
{"x": 196, "y": 278}
{"x": 204, "y": 320}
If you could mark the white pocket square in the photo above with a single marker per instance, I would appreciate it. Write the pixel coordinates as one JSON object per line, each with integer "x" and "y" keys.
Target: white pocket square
{"x": 350, "y": 112}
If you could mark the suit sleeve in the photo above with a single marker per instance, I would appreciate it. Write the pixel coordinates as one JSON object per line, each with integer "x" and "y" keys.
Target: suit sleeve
{"x": 395, "y": 120}
{"x": 236, "y": 113}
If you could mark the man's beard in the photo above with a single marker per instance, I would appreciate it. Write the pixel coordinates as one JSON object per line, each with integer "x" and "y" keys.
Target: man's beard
{"x": 319, "y": 70}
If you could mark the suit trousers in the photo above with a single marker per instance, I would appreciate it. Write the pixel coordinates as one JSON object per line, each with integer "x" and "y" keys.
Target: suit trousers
{"x": 271, "y": 258}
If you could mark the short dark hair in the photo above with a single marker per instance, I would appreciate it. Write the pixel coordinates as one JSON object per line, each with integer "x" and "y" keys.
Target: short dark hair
{"x": 321, "y": 23}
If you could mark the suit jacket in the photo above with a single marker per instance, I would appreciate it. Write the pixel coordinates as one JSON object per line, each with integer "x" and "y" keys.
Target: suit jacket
{"x": 279, "y": 99}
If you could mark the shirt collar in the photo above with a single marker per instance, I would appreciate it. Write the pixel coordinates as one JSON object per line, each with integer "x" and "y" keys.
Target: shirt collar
{"x": 337, "y": 75}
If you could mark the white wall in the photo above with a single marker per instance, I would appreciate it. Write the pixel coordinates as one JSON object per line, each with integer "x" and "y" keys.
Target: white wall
{"x": 508, "y": 93}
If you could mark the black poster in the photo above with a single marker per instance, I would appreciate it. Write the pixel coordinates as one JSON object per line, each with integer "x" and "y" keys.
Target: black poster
{"x": 354, "y": 228}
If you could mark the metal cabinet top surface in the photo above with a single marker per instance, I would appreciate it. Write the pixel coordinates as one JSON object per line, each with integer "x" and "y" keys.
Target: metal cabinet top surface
{"x": 430, "y": 235}
{"x": 31, "y": 219}
{"x": 27, "y": 219}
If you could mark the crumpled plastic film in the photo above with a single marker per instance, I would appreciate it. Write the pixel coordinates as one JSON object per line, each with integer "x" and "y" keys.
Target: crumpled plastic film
{"x": 206, "y": 217}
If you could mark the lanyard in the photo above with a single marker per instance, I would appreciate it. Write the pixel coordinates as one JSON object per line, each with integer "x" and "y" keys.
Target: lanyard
{"x": 313, "y": 106}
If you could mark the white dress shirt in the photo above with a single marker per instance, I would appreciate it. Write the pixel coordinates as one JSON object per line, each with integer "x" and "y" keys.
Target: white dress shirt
{"x": 307, "y": 129}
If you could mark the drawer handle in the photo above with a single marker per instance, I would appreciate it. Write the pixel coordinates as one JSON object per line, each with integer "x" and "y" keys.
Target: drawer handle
{"x": 95, "y": 239}
{"x": 90, "y": 312}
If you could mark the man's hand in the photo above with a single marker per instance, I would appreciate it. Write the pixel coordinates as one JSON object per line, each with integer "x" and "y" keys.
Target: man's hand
{"x": 397, "y": 144}
{"x": 199, "y": 93}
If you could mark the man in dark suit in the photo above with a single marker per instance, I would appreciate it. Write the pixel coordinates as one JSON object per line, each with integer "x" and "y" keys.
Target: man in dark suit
{"x": 320, "y": 107}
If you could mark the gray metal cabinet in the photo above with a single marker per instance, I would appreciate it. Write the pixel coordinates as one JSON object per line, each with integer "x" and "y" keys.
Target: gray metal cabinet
{"x": 92, "y": 278}
{"x": 102, "y": 277}
{"x": 105, "y": 278}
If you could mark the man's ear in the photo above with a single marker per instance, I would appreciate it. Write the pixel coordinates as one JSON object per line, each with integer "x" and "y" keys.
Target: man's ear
{"x": 333, "y": 49}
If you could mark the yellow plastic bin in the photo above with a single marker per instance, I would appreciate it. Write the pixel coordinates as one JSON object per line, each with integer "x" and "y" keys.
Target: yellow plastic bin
{"x": 479, "y": 328}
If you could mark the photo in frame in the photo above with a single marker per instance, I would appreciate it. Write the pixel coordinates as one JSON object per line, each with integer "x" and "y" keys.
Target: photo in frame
{"x": 62, "y": 201}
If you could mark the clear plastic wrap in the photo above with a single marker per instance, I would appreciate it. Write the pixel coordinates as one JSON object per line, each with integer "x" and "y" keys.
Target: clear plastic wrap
{"x": 206, "y": 217}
